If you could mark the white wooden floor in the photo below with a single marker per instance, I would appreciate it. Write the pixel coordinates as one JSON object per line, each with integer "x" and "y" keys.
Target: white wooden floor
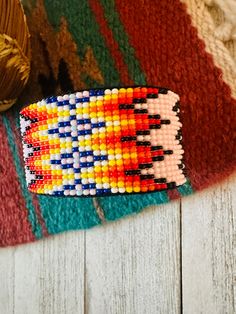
{"x": 177, "y": 258}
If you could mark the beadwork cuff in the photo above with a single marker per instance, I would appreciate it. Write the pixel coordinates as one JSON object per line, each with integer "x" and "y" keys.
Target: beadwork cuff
{"x": 103, "y": 141}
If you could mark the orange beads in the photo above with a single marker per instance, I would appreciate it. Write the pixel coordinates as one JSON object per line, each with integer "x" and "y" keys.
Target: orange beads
{"x": 103, "y": 141}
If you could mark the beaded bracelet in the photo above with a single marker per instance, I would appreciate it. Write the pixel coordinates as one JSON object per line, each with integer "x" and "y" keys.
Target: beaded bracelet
{"x": 103, "y": 142}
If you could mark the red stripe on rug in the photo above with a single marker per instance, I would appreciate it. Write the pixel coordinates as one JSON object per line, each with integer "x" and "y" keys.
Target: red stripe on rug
{"x": 171, "y": 55}
{"x": 35, "y": 201}
{"x": 14, "y": 225}
{"x": 173, "y": 194}
{"x": 111, "y": 43}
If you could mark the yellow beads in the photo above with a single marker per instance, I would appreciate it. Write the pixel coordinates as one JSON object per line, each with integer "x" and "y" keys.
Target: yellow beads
{"x": 95, "y": 142}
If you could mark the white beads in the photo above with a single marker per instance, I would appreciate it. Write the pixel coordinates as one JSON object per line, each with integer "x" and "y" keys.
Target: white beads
{"x": 93, "y": 98}
{"x": 79, "y": 95}
{"x": 86, "y": 93}
{"x": 94, "y": 120}
{"x": 114, "y": 190}
{"x": 114, "y": 91}
{"x": 107, "y": 92}
{"x": 91, "y": 157}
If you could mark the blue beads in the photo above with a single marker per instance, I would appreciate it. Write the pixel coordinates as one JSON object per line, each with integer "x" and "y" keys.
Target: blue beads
{"x": 65, "y": 123}
{"x": 74, "y": 138}
{"x": 58, "y": 193}
{"x": 85, "y": 99}
{"x": 83, "y": 121}
{"x": 69, "y": 187}
{"x": 101, "y": 124}
{"x": 85, "y": 186}
{"x": 98, "y": 125}
{"x": 92, "y": 185}
{"x": 103, "y": 191}
{"x": 98, "y": 158}
{"x": 87, "y": 153}
{"x": 55, "y": 162}
{"x": 104, "y": 157}
{"x": 81, "y": 132}
{"x": 53, "y": 131}
{"x": 84, "y": 132}
{"x": 86, "y": 164}
{"x": 66, "y": 134}
{"x": 87, "y": 121}
{"x": 100, "y": 92}
{"x": 99, "y": 191}
{"x": 106, "y": 191}
{"x": 67, "y": 155}
{"x": 75, "y": 149}
{"x": 92, "y": 92}
{"x": 94, "y": 125}
{"x": 51, "y": 99}
{"x": 96, "y": 92}
{"x": 62, "y": 135}
{"x": 90, "y": 164}
{"x": 67, "y": 166}
{"x": 88, "y": 186}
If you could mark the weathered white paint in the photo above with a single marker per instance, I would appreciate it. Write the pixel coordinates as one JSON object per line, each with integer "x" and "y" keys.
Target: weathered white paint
{"x": 160, "y": 261}
{"x": 208, "y": 251}
{"x": 133, "y": 266}
{"x": 43, "y": 277}
{"x": 7, "y": 280}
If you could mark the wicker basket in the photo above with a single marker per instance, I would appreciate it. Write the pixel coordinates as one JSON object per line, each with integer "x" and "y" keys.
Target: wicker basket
{"x": 14, "y": 52}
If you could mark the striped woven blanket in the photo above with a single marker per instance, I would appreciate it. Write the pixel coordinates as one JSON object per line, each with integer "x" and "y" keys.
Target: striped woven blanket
{"x": 79, "y": 44}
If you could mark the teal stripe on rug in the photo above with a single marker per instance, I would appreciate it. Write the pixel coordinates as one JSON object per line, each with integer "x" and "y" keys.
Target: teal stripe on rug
{"x": 186, "y": 189}
{"x": 118, "y": 206}
{"x": 36, "y": 228}
{"x": 67, "y": 213}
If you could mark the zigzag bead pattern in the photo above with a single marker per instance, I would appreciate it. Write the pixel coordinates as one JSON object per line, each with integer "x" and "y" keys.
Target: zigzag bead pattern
{"x": 103, "y": 141}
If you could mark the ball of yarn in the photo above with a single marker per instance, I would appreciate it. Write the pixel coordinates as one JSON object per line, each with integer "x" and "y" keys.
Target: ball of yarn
{"x": 14, "y": 52}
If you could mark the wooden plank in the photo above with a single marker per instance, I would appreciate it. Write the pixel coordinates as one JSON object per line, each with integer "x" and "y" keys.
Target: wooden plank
{"x": 133, "y": 265}
{"x": 48, "y": 276}
{"x": 7, "y": 272}
{"x": 208, "y": 250}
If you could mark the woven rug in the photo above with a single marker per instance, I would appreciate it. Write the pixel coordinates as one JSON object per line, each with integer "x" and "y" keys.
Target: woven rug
{"x": 80, "y": 44}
